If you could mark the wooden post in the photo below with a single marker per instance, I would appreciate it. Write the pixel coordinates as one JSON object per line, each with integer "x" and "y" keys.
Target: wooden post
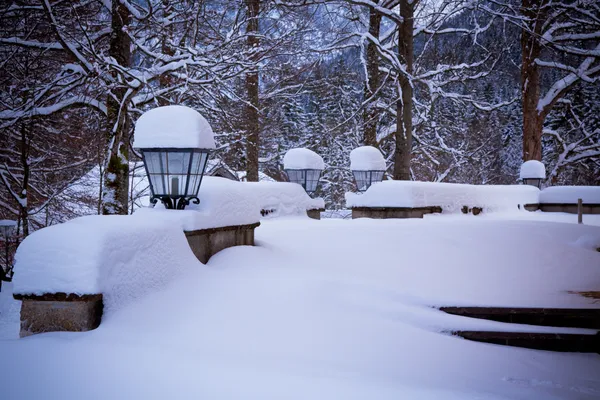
{"x": 579, "y": 211}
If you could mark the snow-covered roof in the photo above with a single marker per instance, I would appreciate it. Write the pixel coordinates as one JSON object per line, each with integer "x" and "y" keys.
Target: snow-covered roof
{"x": 173, "y": 126}
{"x": 532, "y": 169}
{"x": 301, "y": 158}
{"x": 570, "y": 194}
{"x": 7, "y": 222}
{"x": 366, "y": 158}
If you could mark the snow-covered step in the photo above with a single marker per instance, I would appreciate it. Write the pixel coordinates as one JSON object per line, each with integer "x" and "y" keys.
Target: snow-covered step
{"x": 564, "y": 317}
{"x": 565, "y": 342}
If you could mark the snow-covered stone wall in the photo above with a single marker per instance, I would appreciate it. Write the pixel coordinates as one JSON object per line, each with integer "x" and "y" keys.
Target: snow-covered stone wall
{"x": 450, "y": 196}
{"x": 570, "y": 195}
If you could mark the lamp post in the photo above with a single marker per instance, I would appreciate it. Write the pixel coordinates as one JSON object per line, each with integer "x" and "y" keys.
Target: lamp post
{"x": 532, "y": 173}
{"x": 7, "y": 228}
{"x": 304, "y": 167}
{"x": 175, "y": 142}
{"x": 367, "y": 165}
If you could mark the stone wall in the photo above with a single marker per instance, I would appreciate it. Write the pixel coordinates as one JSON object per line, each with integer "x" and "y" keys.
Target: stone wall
{"x": 393, "y": 212}
{"x": 206, "y": 242}
{"x": 564, "y": 207}
{"x": 314, "y": 214}
{"x": 55, "y": 312}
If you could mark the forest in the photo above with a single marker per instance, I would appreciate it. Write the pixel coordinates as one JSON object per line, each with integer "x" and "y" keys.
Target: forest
{"x": 449, "y": 91}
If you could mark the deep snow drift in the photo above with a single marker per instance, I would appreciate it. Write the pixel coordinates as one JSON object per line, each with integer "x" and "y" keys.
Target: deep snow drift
{"x": 333, "y": 309}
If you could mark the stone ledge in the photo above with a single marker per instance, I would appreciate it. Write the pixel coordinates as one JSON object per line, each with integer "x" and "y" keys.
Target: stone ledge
{"x": 393, "y": 212}
{"x": 570, "y": 208}
{"x": 315, "y": 213}
{"x": 207, "y": 242}
{"x": 55, "y": 312}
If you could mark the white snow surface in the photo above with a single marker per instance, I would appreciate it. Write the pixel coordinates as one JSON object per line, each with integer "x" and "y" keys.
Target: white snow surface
{"x": 311, "y": 313}
{"x": 450, "y": 196}
{"x": 223, "y": 202}
{"x": 532, "y": 169}
{"x": 173, "y": 126}
{"x": 282, "y": 198}
{"x": 7, "y": 222}
{"x": 570, "y": 194}
{"x": 301, "y": 158}
{"x": 367, "y": 158}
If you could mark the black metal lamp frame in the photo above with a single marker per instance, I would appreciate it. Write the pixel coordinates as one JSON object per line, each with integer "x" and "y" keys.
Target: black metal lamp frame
{"x": 176, "y": 202}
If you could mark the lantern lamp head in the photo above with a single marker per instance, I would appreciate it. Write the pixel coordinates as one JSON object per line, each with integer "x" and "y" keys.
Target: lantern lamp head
{"x": 367, "y": 165}
{"x": 304, "y": 167}
{"x": 532, "y": 173}
{"x": 175, "y": 142}
{"x": 8, "y": 227}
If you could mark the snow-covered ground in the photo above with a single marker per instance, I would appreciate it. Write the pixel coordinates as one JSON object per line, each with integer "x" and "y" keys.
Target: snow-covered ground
{"x": 333, "y": 309}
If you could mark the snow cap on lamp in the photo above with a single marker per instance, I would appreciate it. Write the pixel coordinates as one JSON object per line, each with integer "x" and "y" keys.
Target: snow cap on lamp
{"x": 532, "y": 173}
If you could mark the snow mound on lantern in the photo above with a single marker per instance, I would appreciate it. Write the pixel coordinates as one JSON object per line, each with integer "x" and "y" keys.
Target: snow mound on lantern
{"x": 366, "y": 158}
{"x": 570, "y": 194}
{"x": 175, "y": 127}
{"x": 450, "y": 196}
{"x": 223, "y": 202}
{"x": 532, "y": 169}
{"x": 112, "y": 255}
{"x": 280, "y": 199}
{"x": 301, "y": 158}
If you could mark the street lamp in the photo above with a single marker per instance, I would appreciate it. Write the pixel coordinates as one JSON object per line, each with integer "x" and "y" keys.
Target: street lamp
{"x": 367, "y": 165}
{"x": 532, "y": 173}
{"x": 7, "y": 229}
{"x": 175, "y": 142}
{"x": 304, "y": 167}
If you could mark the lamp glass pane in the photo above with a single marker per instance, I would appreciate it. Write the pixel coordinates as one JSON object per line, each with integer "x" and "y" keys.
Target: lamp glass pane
{"x": 308, "y": 178}
{"x": 175, "y": 173}
{"x": 364, "y": 179}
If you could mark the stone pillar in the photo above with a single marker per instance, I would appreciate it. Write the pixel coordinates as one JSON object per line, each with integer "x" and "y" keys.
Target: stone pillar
{"x": 54, "y": 312}
{"x": 314, "y": 214}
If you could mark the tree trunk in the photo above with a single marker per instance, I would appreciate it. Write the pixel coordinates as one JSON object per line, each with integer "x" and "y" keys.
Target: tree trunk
{"x": 533, "y": 120}
{"x": 370, "y": 114}
{"x": 23, "y": 203}
{"x": 403, "y": 152}
{"x": 252, "y": 122}
{"x": 165, "y": 80}
{"x": 115, "y": 192}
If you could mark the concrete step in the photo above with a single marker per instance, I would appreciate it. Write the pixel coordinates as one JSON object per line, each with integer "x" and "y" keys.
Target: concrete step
{"x": 558, "y": 317}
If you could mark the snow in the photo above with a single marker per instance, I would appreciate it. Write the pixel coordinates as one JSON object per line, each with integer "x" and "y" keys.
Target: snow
{"x": 223, "y": 202}
{"x": 450, "y": 196}
{"x": 126, "y": 256}
{"x": 339, "y": 309}
{"x": 8, "y": 222}
{"x": 282, "y": 198}
{"x": 173, "y": 126}
{"x": 102, "y": 254}
{"x": 570, "y": 194}
{"x": 301, "y": 158}
{"x": 366, "y": 158}
{"x": 532, "y": 169}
